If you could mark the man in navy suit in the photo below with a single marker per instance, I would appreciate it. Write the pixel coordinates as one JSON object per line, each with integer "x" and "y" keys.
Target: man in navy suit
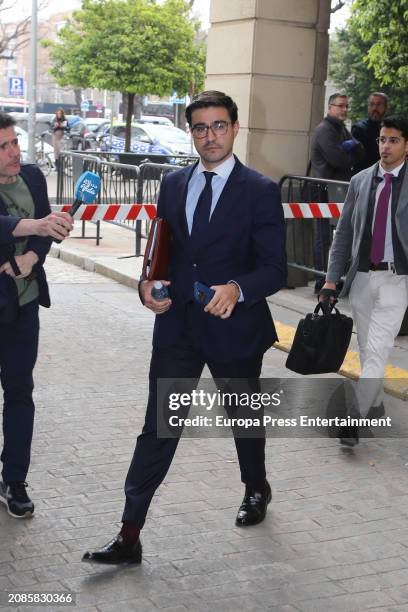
{"x": 27, "y": 227}
{"x": 228, "y": 232}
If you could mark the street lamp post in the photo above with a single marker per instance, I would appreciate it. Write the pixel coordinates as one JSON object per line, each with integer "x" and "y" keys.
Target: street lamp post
{"x": 32, "y": 83}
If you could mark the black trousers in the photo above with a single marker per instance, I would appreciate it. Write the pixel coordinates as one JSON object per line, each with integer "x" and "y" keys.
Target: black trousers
{"x": 152, "y": 456}
{"x": 18, "y": 354}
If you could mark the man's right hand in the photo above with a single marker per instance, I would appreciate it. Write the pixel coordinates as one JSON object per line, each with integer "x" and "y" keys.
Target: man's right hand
{"x": 56, "y": 225}
{"x": 158, "y": 307}
{"x": 329, "y": 287}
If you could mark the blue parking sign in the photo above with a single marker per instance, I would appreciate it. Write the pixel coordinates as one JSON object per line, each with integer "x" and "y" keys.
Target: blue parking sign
{"x": 16, "y": 86}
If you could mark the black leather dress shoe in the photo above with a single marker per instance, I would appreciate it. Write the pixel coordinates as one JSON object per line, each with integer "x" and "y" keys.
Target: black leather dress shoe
{"x": 253, "y": 507}
{"x": 349, "y": 435}
{"x": 376, "y": 412}
{"x": 116, "y": 551}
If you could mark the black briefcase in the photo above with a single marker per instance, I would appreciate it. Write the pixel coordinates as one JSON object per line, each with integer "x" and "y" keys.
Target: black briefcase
{"x": 321, "y": 342}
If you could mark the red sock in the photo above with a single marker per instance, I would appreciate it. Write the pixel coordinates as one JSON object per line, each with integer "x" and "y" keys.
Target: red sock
{"x": 130, "y": 532}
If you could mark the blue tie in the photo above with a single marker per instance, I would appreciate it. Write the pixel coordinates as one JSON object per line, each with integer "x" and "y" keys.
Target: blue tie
{"x": 201, "y": 218}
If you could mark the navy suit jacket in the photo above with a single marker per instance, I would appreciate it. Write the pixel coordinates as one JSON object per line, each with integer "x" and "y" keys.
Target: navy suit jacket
{"x": 35, "y": 181}
{"x": 245, "y": 242}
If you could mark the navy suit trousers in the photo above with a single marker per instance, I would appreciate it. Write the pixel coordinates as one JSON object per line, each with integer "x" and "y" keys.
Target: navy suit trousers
{"x": 18, "y": 354}
{"x": 152, "y": 456}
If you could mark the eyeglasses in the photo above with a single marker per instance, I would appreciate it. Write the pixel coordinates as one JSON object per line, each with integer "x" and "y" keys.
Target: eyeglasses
{"x": 341, "y": 105}
{"x": 218, "y": 128}
{"x": 392, "y": 140}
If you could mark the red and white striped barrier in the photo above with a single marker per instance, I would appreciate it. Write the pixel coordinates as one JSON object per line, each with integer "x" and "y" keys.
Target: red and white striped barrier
{"x": 144, "y": 212}
{"x": 312, "y": 210}
{"x": 110, "y": 212}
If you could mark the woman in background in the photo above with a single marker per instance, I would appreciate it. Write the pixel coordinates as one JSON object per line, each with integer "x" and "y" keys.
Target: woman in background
{"x": 59, "y": 127}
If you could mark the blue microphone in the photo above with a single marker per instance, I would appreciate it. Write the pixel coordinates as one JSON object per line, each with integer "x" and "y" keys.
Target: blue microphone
{"x": 86, "y": 189}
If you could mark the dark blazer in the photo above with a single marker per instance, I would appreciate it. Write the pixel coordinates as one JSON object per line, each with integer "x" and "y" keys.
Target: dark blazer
{"x": 35, "y": 181}
{"x": 328, "y": 160}
{"x": 367, "y": 131}
{"x": 245, "y": 242}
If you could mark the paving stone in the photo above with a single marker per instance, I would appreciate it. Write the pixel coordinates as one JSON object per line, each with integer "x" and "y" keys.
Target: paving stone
{"x": 347, "y": 603}
{"x": 336, "y": 532}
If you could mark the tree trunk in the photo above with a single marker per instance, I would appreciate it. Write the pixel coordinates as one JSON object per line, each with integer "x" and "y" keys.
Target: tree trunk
{"x": 78, "y": 97}
{"x": 137, "y": 107}
{"x": 123, "y": 107}
{"x": 129, "y": 113}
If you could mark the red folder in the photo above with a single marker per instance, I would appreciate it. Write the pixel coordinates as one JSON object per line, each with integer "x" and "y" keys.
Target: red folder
{"x": 157, "y": 253}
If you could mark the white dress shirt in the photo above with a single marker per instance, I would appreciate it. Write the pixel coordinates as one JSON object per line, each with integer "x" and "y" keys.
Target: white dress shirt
{"x": 197, "y": 182}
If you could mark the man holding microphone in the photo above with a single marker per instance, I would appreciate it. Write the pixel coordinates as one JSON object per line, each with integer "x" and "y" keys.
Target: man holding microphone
{"x": 27, "y": 228}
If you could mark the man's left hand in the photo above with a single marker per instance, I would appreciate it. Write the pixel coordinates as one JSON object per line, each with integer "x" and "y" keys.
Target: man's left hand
{"x": 223, "y": 302}
{"x": 25, "y": 263}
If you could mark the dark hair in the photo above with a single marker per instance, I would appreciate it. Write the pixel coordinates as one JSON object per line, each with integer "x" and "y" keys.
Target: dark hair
{"x": 6, "y": 121}
{"x": 398, "y": 123}
{"x": 61, "y": 110}
{"x": 212, "y": 98}
{"x": 335, "y": 95}
{"x": 379, "y": 94}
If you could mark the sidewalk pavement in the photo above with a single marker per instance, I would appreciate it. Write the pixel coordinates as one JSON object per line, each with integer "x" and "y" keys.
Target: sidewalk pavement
{"x": 114, "y": 259}
{"x": 335, "y": 536}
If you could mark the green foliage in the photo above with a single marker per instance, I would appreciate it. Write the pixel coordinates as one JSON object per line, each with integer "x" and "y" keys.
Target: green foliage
{"x": 383, "y": 24}
{"x": 352, "y": 66}
{"x": 131, "y": 46}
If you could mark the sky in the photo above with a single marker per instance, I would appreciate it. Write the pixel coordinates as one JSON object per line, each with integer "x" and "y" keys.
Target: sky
{"x": 201, "y": 8}
{"x": 23, "y": 7}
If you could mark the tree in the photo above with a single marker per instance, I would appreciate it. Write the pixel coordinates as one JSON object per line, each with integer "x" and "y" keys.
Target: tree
{"x": 137, "y": 47}
{"x": 349, "y": 73}
{"x": 13, "y": 36}
{"x": 383, "y": 24}
{"x": 351, "y": 70}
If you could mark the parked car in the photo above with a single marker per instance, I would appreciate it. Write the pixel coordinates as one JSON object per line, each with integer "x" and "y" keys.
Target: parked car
{"x": 155, "y": 119}
{"x": 148, "y": 138}
{"x": 83, "y": 134}
{"x": 173, "y": 137}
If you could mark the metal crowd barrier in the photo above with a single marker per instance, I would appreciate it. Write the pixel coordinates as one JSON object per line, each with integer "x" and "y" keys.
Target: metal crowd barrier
{"x": 121, "y": 184}
{"x": 71, "y": 166}
{"x": 151, "y": 176}
{"x": 308, "y": 241}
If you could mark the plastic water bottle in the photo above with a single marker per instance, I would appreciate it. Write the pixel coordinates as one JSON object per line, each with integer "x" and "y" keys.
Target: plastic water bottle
{"x": 159, "y": 291}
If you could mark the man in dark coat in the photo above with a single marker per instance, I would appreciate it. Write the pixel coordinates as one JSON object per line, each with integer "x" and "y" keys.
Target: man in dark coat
{"x": 333, "y": 153}
{"x": 228, "y": 232}
{"x": 367, "y": 131}
{"x": 27, "y": 227}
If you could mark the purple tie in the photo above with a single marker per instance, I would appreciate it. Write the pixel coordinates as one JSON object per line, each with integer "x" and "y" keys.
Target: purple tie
{"x": 380, "y": 223}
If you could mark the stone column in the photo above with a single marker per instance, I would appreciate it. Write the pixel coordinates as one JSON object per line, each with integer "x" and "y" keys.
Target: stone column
{"x": 271, "y": 57}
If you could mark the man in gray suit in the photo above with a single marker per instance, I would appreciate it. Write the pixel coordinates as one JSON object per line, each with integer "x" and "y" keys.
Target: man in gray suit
{"x": 372, "y": 234}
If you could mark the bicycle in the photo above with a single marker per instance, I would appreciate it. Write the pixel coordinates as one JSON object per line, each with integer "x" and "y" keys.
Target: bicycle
{"x": 42, "y": 158}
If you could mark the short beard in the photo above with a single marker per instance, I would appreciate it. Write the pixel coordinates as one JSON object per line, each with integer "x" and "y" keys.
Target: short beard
{"x": 213, "y": 161}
